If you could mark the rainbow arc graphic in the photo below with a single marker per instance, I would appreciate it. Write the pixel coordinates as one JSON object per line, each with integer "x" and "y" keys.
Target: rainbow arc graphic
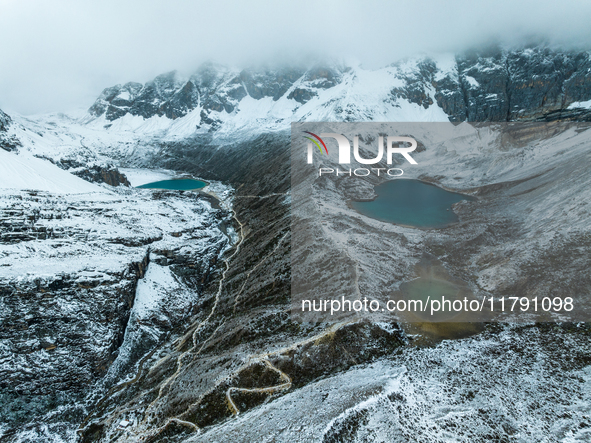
{"x": 315, "y": 142}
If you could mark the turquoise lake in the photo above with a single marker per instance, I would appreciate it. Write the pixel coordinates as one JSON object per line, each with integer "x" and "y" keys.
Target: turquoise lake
{"x": 412, "y": 203}
{"x": 181, "y": 184}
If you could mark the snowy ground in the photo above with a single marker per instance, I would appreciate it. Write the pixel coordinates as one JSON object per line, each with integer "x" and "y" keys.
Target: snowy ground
{"x": 138, "y": 177}
{"x": 541, "y": 204}
{"x": 529, "y": 385}
{"x": 27, "y": 172}
{"x": 504, "y": 386}
{"x": 101, "y": 231}
{"x": 69, "y": 253}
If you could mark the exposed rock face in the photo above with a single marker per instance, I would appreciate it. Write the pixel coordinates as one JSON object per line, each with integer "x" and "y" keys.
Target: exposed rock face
{"x": 541, "y": 79}
{"x": 4, "y": 121}
{"x": 193, "y": 364}
{"x": 7, "y": 142}
{"x": 212, "y": 88}
{"x": 97, "y": 174}
{"x": 534, "y": 84}
{"x": 93, "y": 173}
{"x": 313, "y": 80}
{"x": 268, "y": 83}
{"x": 418, "y": 82}
{"x": 70, "y": 268}
{"x": 116, "y": 101}
{"x": 55, "y": 355}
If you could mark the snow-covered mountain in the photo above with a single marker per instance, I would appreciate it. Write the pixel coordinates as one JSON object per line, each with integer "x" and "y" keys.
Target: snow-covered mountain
{"x": 494, "y": 85}
{"x": 533, "y": 84}
{"x": 171, "y": 310}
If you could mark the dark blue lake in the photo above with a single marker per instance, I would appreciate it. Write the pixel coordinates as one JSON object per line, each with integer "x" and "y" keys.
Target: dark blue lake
{"x": 181, "y": 184}
{"x": 412, "y": 203}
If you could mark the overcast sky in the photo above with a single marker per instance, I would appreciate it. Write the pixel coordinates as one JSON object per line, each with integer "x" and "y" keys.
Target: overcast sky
{"x": 57, "y": 55}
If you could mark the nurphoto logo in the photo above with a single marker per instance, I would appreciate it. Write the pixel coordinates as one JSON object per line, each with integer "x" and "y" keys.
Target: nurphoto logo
{"x": 394, "y": 146}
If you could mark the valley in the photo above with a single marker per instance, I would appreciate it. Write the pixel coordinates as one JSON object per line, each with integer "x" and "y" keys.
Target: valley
{"x": 170, "y": 311}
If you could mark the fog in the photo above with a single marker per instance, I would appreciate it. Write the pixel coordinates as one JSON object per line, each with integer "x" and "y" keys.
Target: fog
{"x": 58, "y": 55}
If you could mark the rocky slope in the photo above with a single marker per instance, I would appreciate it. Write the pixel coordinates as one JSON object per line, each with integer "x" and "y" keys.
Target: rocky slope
{"x": 242, "y": 370}
{"x": 225, "y": 362}
{"x": 78, "y": 302}
{"x": 7, "y": 142}
{"x": 522, "y": 230}
{"x": 4, "y": 121}
{"x": 491, "y": 85}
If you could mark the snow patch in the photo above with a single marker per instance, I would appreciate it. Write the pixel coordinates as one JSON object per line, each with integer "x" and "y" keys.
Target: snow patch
{"x": 447, "y": 66}
{"x": 578, "y": 105}
{"x": 25, "y": 172}
{"x": 138, "y": 177}
{"x": 472, "y": 81}
{"x": 157, "y": 282}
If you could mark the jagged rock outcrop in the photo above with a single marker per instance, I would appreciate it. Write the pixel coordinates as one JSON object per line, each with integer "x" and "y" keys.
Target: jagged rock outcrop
{"x": 492, "y": 84}
{"x": 7, "y": 142}
{"x": 312, "y": 81}
{"x": 98, "y": 174}
{"x": 93, "y": 173}
{"x": 268, "y": 83}
{"x": 4, "y": 121}
{"x": 70, "y": 269}
{"x": 418, "y": 83}
{"x": 534, "y": 84}
{"x": 211, "y": 88}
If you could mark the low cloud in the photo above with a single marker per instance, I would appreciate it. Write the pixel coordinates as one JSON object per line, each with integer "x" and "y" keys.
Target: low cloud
{"x": 59, "y": 55}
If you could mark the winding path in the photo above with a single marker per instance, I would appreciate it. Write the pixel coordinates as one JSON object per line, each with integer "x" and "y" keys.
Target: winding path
{"x": 180, "y": 358}
{"x": 264, "y": 358}
{"x": 269, "y": 390}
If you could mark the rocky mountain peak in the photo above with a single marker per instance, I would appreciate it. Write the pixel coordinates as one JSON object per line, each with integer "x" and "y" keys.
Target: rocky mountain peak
{"x": 492, "y": 84}
{"x": 7, "y": 142}
{"x": 4, "y": 121}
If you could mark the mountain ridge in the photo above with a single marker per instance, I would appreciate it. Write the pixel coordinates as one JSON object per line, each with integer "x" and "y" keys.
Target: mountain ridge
{"x": 237, "y": 323}
{"x": 531, "y": 84}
